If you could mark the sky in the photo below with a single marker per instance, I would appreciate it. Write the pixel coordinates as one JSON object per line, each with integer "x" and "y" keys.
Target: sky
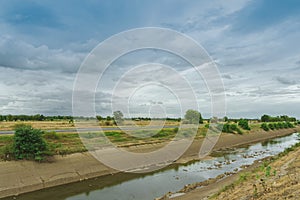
{"x": 255, "y": 44}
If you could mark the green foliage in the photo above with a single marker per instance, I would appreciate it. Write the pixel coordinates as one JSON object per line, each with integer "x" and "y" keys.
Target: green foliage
{"x": 278, "y": 125}
{"x": 271, "y": 126}
{"x": 244, "y": 124}
{"x": 193, "y": 117}
{"x": 283, "y": 118}
{"x": 7, "y": 152}
{"x": 265, "y": 118}
{"x": 175, "y": 130}
{"x": 231, "y": 128}
{"x": 290, "y": 125}
{"x": 268, "y": 171}
{"x": 225, "y": 119}
{"x": 244, "y": 177}
{"x": 37, "y": 117}
{"x": 28, "y": 143}
{"x": 265, "y": 126}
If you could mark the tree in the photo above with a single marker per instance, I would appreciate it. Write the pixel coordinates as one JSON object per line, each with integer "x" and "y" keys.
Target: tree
{"x": 28, "y": 143}
{"x": 108, "y": 118}
{"x": 193, "y": 117}
{"x": 265, "y": 118}
{"x": 225, "y": 119}
{"x": 200, "y": 119}
{"x": 99, "y": 118}
{"x": 118, "y": 117}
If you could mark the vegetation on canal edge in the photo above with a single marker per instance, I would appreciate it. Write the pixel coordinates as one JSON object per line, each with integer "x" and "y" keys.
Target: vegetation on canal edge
{"x": 261, "y": 174}
{"x": 31, "y": 143}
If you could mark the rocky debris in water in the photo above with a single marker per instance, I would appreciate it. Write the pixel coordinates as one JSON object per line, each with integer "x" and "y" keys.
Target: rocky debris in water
{"x": 244, "y": 166}
{"x": 193, "y": 186}
{"x": 218, "y": 165}
{"x": 229, "y": 173}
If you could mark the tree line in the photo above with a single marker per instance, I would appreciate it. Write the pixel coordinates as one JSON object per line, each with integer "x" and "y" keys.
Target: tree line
{"x": 37, "y": 117}
{"x": 283, "y": 118}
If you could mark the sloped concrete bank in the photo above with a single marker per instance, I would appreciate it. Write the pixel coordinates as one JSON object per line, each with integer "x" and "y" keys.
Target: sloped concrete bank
{"x": 17, "y": 177}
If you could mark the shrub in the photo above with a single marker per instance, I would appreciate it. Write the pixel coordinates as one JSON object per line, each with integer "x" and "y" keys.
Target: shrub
{"x": 280, "y": 125}
{"x": 290, "y": 125}
{"x": 226, "y": 128}
{"x": 231, "y": 128}
{"x": 243, "y": 123}
{"x": 265, "y": 127}
{"x": 271, "y": 126}
{"x": 28, "y": 143}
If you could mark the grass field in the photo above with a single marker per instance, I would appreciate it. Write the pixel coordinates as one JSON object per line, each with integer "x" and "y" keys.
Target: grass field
{"x": 68, "y": 143}
{"x": 65, "y": 124}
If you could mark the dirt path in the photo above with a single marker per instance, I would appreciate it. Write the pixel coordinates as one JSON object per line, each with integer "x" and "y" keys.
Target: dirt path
{"x": 18, "y": 177}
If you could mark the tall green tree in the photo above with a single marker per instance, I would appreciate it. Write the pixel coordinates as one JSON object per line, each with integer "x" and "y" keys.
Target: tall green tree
{"x": 265, "y": 118}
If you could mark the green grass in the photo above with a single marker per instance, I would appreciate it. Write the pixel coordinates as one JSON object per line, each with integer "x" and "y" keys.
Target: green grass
{"x": 68, "y": 143}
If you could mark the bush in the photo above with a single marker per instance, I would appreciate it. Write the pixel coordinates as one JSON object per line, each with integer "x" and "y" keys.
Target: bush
{"x": 243, "y": 123}
{"x": 290, "y": 125}
{"x": 271, "y": 126}
{"x": 280, "y": 125}
{"x": 231, "y": 128}
{"x": 265, "y": 127}
{"x": 28, "y": 143}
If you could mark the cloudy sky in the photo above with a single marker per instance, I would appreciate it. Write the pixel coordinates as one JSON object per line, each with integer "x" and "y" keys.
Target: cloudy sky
{"x": 254, "y": 43}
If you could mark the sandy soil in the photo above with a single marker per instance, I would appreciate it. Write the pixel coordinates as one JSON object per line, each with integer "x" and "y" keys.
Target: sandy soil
{"x": 23, "y": 176}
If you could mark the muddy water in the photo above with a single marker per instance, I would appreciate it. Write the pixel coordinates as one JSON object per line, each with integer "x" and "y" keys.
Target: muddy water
{"x": 150, "y": 186}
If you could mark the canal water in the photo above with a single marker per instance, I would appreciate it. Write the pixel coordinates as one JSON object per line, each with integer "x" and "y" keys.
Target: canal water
{"x": 150, "y": 186}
